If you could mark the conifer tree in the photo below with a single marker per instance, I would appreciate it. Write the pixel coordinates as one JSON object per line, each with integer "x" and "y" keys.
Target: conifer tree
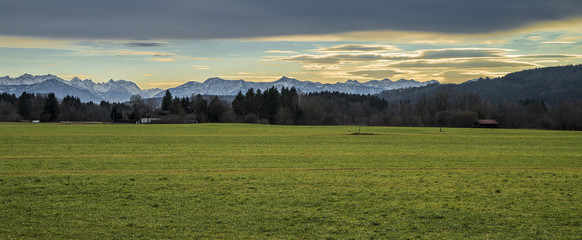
{"x": 51, "y": 108}
{"x": 167, "y": 101}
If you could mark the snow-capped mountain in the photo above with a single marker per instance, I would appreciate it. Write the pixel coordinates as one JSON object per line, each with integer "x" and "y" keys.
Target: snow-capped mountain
{"x": 56, "y": 86}
{"x": 219, "y": 86}
{"x": 114, "y": 91}
{"x": 86, "y": 90}
{"x": 27, "y": 79}
{"x": 121, "y": 90}
{"x": 151, "y": 92}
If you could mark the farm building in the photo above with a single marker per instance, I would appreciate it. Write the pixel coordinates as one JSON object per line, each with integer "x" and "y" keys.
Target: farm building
{"x": 487, "y": 123}
{"x": 149, "y": 120}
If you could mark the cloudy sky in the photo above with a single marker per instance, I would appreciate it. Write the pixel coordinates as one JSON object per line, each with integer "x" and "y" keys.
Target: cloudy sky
{"x": 158, "y": 43}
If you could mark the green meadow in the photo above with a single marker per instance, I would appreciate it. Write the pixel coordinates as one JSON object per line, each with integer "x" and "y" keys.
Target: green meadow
{"x": 239, "y": 181}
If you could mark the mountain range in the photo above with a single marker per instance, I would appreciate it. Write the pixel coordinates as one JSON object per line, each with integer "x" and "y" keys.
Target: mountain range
{"x": 86, "y": 90}
{"x": 222, "y": 87}
{"x": 121, "y": 90}
{"x": 550, "y": 84}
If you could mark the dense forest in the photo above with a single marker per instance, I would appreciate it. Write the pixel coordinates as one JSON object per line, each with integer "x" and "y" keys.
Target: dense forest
{"x": 442, "y": 109}
{"x": 545, "y": 98}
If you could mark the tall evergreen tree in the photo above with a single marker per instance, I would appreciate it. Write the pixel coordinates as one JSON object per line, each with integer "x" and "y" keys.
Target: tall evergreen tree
{"x": 215, "y": 110}
{"x": 51, "y": 108}
{"x": 176, "y": 107}
{"x": 271, "y": 104}
{"x": 167, "y": 101}
{"x": 238, "y": 104}
{"x": 24, "y": 104}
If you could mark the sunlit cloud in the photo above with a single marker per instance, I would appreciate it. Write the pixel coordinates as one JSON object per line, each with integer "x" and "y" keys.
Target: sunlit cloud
{"x": 29, "y": 42}
{"x": 546, "y": 61}
{"x": 454, "y": 76}
{"x": 94, "y": 49}
{"x": 315, "y": 66}
{"x": 191, "y": 58}
{"x": 164, "y": 59}
{"x": 424, "y": 37}
{"x": 552, "y": 56}
{"x": 339, "y": 58}
{"x": 201, "y": 67}
{"x": 312, "y": 59}
{"x": 558, "y": 42}
{"x": 374, "y": 57}
{"x": 334, "y": 75}
{"x": 484, "y": 73}
{"x": 376, "y": 74}
{"x": 146, "y": 75}
{"x": 458, "y": 76}
{"x": 358, "y": 48}
{"x": 446, "y": 64}
{"x": 280, "y": 51}
{"x": 472, "y": 63}
{"x": 462, "y": 53}
{"x": 254, "y": 77}
{"x": 535, "y": 38}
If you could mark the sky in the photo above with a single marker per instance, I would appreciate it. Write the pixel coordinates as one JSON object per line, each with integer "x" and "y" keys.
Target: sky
{"x": 165, "y": 43}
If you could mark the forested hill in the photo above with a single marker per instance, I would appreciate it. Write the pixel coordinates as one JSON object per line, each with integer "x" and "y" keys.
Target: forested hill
{"x": 552, "y": 85}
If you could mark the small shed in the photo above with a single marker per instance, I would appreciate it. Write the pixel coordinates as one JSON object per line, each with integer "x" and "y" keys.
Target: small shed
{"x": 487, "y": 123}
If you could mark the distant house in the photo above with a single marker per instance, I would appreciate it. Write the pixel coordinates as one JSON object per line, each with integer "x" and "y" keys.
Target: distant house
{"x": 149, "y": 120}
{"x": 35, "y": 121}
{"x": 487, "y": 123}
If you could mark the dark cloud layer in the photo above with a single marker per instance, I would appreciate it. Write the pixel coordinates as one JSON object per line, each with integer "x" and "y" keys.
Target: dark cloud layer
{"x": 206, "y": 19}
{"x": 143, "y": 44}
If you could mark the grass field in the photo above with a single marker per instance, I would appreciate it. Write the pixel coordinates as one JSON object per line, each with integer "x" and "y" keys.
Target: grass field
{"x": 236, "y": 181}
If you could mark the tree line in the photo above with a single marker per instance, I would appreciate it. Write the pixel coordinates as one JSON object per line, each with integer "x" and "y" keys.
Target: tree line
{"x": 443, "y": 108}
{"x": 47, "y": 108}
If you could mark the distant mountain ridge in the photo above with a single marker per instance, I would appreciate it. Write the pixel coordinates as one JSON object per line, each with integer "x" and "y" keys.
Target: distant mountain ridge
{"x": 223, "y": 87}
{"x": 86, "y": 90}
{"x": 552, "y": 85}
{"x": 549, "y": 84}
{"x": 121, "y": 90}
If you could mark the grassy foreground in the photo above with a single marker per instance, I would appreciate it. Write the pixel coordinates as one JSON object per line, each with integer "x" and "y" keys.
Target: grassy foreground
{"x": 236, "y": 181}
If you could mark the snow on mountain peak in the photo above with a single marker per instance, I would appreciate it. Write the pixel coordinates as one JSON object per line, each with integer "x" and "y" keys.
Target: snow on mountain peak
{"x": 214, "y": 80}
{"x": 122, "y": 90}
{"x": 114, "y": 91}
{"x": 352, "y": 82}
{"x": 25, "y": 76}
{"x": 285, "y": 79}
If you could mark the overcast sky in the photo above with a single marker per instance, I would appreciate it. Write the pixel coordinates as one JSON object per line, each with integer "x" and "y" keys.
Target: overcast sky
{"x": 164, "y": 43}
